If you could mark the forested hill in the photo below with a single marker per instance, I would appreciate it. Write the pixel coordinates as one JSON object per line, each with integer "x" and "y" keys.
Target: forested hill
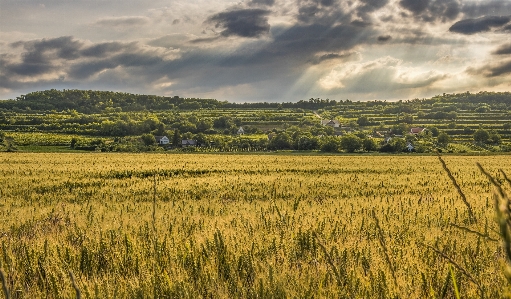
{"x": 89, "y": 101}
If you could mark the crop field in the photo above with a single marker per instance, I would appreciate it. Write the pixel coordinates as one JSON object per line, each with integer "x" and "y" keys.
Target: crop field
{"x": 104, "y": 225}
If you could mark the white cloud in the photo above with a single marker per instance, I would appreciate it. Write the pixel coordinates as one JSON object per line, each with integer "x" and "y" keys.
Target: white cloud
{"x": 381, "y": 75}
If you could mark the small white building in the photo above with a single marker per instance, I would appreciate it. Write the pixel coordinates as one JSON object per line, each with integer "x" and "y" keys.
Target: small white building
{"x": 241, "y": 131}
{"x": 162, "y": 139}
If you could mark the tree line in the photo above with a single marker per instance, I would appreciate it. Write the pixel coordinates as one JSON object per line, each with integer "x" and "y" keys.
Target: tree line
{"x": 90, "y": 101}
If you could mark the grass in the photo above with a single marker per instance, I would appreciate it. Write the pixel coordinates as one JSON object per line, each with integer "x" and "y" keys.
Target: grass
{"x": 249, "y": 226}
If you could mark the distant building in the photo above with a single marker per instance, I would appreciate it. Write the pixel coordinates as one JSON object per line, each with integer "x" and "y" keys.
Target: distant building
{"x": 162, "y": 139}
{"x": 416, "y": 131}
{"x": 241, "y": 131}
{"x": 410, "y": 147}
{"x": 331, "y": 123}
{"x": 188, "y": 142}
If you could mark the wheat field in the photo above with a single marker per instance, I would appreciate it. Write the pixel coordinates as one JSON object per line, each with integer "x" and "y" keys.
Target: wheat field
{"x": 249, "y": 226}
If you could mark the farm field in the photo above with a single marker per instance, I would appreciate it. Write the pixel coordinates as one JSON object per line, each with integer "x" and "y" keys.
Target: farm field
{"x": 249, "y": 226}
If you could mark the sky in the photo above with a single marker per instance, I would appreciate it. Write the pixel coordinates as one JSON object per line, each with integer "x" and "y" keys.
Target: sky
{"x": 257, "y": 50}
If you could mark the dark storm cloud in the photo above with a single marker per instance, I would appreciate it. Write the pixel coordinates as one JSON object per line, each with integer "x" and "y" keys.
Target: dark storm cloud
{"x": 370, "y": 6}
{"x": 503, "y": 50}
{"x": 485, "y": 8}
{"x": 243, "y": 22}
{"x": 327, "y": 3}
{"x": 273, "y": 64}
{"x": 499, "y": 70}
{"x": 261, "y": 2}
{"x": 471, "y": 26}
{"x": 89, "y": 68}
{"x": 65, "y": 47}
{"x": 360, "y": 23}
{"x": 415, "y": 6}
{"x": 332, "y": 56}
{"x": 304, "y": 41}
{"x": 29, "y": 69}
{"x": 323, "y": 32}
{"x": 319, "y": 11}
{"x": 433, "y": 10}
{"x": 204, "y": 40}
{"x": 384, "y": 38}
{"x": 37, "y": 56}
{"x": 71, "y": 56}
{"x": 103, "y": 49}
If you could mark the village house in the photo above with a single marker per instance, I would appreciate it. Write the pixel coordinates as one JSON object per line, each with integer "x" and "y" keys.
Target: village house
{"x": 162, "y": 140}
{"x": 241, "y": 131}
{"x": 331, "y": 122}
{"x": 416, "y": 131}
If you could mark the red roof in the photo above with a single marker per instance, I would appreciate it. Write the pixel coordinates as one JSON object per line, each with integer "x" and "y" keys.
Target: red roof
{"x": 416, "y": 130}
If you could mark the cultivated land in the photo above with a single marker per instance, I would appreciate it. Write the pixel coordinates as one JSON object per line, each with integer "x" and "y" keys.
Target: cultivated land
{"x": 85, "y": 120}
{"x": 249, "y": 226}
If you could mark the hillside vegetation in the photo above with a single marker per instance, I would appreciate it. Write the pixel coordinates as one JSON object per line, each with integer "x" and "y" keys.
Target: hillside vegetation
{"x": 114, "y": 121}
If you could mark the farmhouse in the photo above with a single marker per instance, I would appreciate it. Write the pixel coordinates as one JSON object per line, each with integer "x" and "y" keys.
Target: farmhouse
{"x": 241, "y": 131}
{"x": 162, "y": 139}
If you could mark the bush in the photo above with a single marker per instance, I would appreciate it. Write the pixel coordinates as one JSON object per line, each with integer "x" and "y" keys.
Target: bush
{"x": 351, "y": 143}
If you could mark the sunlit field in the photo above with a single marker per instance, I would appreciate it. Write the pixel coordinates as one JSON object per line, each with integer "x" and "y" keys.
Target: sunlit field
{"x": 249, "y": 226}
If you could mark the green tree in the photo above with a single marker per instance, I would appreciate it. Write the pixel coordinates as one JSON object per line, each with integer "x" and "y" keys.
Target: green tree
{"x": 434, "y": 131}
{"x": 281, "y": 141}
{"x": 176, "y": 138}
{"x": 160, "y": 130}
{"x": 407, "y": 118}
{"x": 481, "y": 136}
{"x": 306, "y": 142}
{"x": 482, "y": 108}
{"x": 494, "y": 138}
{"x": 369, "y": 145}
{"x": 223, "y": 122}
{"x": 201, "y": 139}
{"x": 398, "y": 144}
{"x": 204, "y": 125}
{"x": 443, "y": 139}
{"x": 74, "y": 140}
{"x": 148, "y": 139}
{"x": 351, "y": 143}
{"x": 363, "y": 121}
{"x": 330, "y": 144}
{"x": 10, "y": 145}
